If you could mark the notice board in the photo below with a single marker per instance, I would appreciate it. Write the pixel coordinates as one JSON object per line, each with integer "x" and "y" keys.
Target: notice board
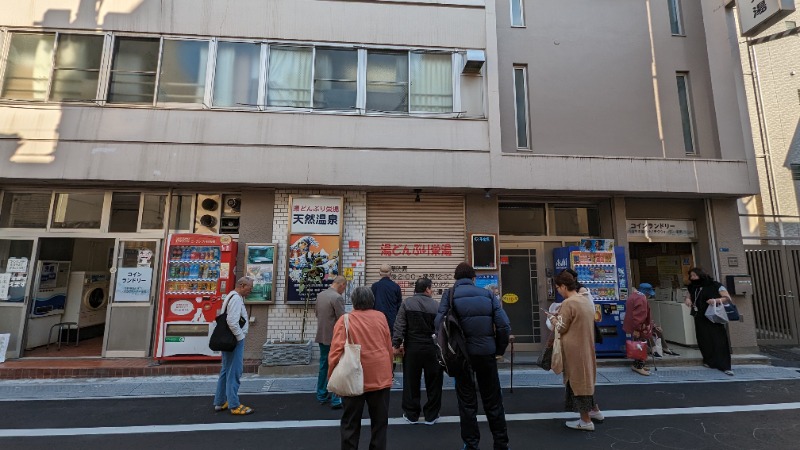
{"x": 484, "y": 251}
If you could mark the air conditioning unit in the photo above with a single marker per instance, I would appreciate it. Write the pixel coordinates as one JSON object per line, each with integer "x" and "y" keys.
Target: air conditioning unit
{"x": 474, "y": 61}
{"x": 208, "y": 214}
{"x": 231, "y": 212}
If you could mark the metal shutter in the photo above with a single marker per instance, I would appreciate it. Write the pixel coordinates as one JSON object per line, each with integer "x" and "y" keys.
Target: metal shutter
{"x": 415, "y": 232}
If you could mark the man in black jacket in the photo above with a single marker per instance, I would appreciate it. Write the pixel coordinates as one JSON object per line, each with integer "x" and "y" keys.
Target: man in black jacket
{"x": 413, "y": 331}
{"x": 487, "y": 330}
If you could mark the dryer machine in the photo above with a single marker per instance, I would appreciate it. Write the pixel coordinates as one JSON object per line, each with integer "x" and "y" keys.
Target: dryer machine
{"x": 87, "y": 298}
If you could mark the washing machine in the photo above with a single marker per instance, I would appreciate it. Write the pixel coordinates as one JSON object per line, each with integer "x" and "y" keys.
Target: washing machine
{"x": 87, "y": 298}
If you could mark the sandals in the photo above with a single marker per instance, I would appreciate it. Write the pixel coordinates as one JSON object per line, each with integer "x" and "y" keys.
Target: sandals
{"x": 670, "y": 352}
{"x": 222, "y": 407}
{"x": 242, "y": 410}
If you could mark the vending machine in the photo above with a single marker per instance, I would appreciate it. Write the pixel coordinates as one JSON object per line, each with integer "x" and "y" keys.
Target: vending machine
{"x": 602, "y": 270}
{"x": 198, "y": 271}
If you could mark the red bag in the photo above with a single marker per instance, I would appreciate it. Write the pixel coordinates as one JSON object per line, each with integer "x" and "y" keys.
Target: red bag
{"x": 636, "y": 350}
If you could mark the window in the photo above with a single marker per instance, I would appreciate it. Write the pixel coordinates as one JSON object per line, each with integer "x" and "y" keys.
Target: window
{"x": 431, "y": 82}
{"x": 25, "y": 210}
{"x": 153, "y": 212}
{"x": 183, "y": 72}
{"x": 124, "y": 212}
{"x": 236, "y": 74}
{"x": 30, "y": 58}
{"x": 77, "y": 210}
{"x": 335, "y": 78}
{"x": 517, "y": 14}
{"x": 521, "y": 105}
{"x": 675, "y": 20}
{"x": 180, "y": 212}
{"x": 687, "y": 119}
{"x": 289, "y": 79}
{"x": 133, "y": 72}
{"x": 387, "y": 81}
{"x": 574, "y": 221}
{"x": 77, "y": 67}
{"x": 522, "y": 219}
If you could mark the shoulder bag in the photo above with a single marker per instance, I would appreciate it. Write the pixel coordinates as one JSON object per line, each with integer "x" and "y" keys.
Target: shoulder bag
{"x": 557, "y": 360}
{"x": 222, "y": 338}
{"x": 347, "y": 378}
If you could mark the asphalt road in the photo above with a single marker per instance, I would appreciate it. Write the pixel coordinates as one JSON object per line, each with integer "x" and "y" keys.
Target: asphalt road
{"x": 736, "y": 415}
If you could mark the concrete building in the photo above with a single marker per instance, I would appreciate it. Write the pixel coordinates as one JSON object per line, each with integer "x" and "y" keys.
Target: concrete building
{"x": 428, "y": 120}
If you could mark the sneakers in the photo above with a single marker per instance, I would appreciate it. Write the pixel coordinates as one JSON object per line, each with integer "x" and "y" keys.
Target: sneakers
{"x": 641, "y": 371}
{"x": 597, "y": 416}
{"x": 412, "y": 422}
{"x": 579, "y": 425}
{"x": 431, "y": 422}
{"x": 242, "y": 410}
{"x": 729, "y": 373}
{"x": 221, "y": 407}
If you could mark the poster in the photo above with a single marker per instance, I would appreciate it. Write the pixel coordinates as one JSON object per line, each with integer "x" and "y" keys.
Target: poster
{"x": 5, "y": 285}
{"x": 48, "y": 276}
{"x": 17, "y": 265}
{"x": 4, "y": 338}
{"x": 307, "y": 251}
{"x": 133, "y": 284}
{"x": 260, "y": 266}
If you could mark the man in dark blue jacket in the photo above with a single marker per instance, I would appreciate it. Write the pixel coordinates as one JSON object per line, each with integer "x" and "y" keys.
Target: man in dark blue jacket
{"x": 388, "y": 296}
{"x": 487, "y": 330}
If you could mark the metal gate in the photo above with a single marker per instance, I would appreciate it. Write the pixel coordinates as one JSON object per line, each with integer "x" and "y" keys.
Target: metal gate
{"x": 775, "y": 271}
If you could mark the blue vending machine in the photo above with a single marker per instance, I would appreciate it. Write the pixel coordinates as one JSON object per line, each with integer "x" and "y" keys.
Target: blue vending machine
{"x": 601, "y": 268}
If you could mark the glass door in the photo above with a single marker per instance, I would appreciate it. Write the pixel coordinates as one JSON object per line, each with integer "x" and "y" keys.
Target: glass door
{"x": 134, "y": 285}
{"x": 522, "y": 285}
{"x": 16, "y": 278}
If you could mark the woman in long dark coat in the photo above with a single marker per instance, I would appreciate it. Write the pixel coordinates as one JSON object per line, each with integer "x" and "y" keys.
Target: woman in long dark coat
{"x": 712, "y": 338}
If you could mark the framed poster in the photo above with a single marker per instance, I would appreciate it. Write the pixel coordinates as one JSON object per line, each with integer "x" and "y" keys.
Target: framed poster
{"x": 315, "y": 242}
{"x": 260, "y": 266}
{"x": 484, "y": 251}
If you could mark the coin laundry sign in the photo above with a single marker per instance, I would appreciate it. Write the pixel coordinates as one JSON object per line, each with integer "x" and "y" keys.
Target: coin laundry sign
{"x": 757, "y": 15}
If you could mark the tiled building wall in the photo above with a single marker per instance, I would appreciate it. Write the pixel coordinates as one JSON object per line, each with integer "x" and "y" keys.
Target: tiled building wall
{"x": 284, "y": 319}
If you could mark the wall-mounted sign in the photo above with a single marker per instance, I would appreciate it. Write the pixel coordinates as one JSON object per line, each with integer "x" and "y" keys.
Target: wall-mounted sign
{"x": 661, "y": 228}
{"x": 415, "y": 249}
{"x": 260, "y": 266}
{"x": 484, "y": 251}
{"x": 757, "y": 15}
{"x": 316, "y": 215}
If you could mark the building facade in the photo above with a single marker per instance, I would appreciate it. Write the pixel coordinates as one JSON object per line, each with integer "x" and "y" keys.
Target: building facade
{"x": 431, "y": 121}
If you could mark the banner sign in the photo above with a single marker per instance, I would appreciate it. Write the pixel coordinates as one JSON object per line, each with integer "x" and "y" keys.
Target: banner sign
{"x": 757, "y": 15}
{"x": 658, "y": 228}
{"x": 316, "y": 215}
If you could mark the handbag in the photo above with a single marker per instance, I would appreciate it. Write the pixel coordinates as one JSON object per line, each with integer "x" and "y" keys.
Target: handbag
{"x": 716, "y": 313}
{"x": 222, "y": 338}
{"x": 557, "y": 359}
{"x": 545, "y": 360}
{"x": 636, "y": 350}
{"x": 732, "y": 311}
{"x": 347, "y": 378}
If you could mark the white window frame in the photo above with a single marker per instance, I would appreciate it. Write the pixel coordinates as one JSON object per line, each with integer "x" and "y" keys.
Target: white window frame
{"x": 678, "y": 17}
{"x": 111, "y": 55}
{"x": 262, "y": 75}
{"x": 521, "y": 13}
{"x": 524, "y": 70}
{"x": 690, "y": 111}
{"x": 209, "y": 67}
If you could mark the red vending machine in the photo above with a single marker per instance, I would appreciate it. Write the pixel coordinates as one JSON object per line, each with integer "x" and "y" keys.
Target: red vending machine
{"x": 199, "y": 271}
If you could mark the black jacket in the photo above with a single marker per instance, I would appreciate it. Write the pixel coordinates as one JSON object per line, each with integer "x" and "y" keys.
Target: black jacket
{"x": 387, "y": 299}
{"x": 485, "y": 324}
{"x": 414, "y": 324}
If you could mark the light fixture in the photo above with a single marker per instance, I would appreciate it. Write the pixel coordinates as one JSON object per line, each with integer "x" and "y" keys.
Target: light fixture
{"x": 417, "y": 191}
{"x": 486, "y": 193}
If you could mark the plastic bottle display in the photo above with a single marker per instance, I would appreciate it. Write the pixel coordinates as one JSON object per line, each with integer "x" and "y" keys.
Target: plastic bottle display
{"x": 193, "y": 270}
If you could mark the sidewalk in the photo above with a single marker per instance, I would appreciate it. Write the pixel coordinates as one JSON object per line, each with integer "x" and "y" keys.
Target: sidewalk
{"x": 197, "y": 385}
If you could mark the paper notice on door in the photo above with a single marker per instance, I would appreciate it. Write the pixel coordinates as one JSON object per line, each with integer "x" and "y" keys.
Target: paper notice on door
{"x": 5, "y": 284}
{"x": 224, "y": 270}
{"x": 4, "y": 338}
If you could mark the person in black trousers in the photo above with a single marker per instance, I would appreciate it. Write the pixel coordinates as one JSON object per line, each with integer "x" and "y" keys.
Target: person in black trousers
{"x": 712, "y": 338}
{"x": 487, "y": 331}
{"x": 413, "y": 331}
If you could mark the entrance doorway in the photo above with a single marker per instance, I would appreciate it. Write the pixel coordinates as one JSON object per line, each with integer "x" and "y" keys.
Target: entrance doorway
{"x": 665, "y": 265}
{"x": 521, "y": 283}
{"x": 70, "y": 289}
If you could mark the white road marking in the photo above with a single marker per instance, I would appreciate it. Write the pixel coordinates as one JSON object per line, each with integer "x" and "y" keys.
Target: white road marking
{"x": 290, "y": 424}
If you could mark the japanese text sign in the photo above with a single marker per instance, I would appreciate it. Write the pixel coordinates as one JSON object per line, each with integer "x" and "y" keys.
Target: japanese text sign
{"x": 655, "y": 228}
{"x": 133, "y": 284}
{"x": 316, "y": 215}
{"x": 757, "y": 15}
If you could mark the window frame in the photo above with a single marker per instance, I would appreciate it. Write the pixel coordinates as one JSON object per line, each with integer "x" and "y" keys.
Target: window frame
{"x": 110, "y": 71}
{"x": 521, "y": 13}
{"x": 361, "y": 90}
{"x": 678, "y": 8}
{"x": 407, "y": 83}
{"x": 209, "y": 75}
{"x": 455, "y": 84}
{"x": 51, "y": 202}
{"x": 524, "y": 69}
{"x": 690, "y": 112}
{"x": 261, "y": 89}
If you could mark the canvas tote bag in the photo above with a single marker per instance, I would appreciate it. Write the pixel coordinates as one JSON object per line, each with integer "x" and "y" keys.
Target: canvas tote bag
{"x": 347, "y": 378}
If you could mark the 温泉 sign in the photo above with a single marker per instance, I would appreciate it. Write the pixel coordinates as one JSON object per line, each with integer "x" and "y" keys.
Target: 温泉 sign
{"x": 757, "y": 15}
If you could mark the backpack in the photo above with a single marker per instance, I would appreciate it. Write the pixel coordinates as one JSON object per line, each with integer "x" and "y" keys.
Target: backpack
{"x": 451, "y": 345}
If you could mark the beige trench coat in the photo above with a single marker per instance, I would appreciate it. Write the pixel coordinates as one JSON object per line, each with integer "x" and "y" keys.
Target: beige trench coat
{"x": 577, "y": 344}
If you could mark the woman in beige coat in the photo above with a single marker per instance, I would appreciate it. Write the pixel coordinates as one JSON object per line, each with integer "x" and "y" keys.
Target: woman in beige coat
{"x": 575, "y": 323}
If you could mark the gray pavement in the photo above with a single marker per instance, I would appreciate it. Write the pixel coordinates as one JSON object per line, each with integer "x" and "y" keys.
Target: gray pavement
{"x": 188, "y": 386}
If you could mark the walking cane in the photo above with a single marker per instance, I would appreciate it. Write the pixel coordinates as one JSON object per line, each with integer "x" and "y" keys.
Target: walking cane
{"x": 511, "y": 390}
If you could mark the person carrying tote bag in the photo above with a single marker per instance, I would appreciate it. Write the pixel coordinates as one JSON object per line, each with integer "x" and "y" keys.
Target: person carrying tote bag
{"x": 347, "y": 379}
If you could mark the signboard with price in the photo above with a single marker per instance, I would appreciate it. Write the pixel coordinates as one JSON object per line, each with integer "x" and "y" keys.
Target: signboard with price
{"x": 484, "y": 251}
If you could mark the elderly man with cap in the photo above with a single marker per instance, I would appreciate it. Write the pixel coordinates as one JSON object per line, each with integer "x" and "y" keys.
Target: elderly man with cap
{"x": 388, "y": 296}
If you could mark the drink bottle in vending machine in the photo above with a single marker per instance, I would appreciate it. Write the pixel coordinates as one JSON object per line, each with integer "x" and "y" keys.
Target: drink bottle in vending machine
{"x": 198, "y": 273}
